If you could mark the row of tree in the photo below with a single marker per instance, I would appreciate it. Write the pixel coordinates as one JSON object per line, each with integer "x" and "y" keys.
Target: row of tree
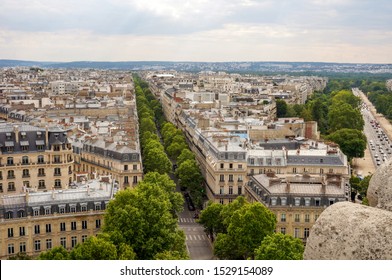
{"x": 139, "y": 223}
{"x": 188, "y": 171}
{"x": 245, "y": 230}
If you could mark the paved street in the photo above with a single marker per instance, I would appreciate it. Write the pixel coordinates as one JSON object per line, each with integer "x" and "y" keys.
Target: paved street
{"x": 197, "y": 242}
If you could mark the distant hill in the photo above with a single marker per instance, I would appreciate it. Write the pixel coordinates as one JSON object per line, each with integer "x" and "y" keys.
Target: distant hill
{"x": 299, "y": 68}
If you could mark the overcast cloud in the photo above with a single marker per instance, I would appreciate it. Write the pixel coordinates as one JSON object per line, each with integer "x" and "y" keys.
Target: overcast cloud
{"x": 199, "y": 30}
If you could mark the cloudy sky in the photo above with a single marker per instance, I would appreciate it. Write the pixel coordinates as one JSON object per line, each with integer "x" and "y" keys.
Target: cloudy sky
{"x": 198, "y": 30}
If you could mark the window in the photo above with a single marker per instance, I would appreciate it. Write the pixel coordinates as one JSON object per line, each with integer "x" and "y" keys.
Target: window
{"x": 57, "y": 171}
{"x": 221, "y": 201}
{"x": 231, "y": 178}
{"x": 230, "y": 189}
{"x": 307, "y": 218}
{"x": 97, "y": 206}
{"x": 73, "y": 225}
{"x": 84, "y": 238}
{"x": 22, "y": 247}
{"x": 72, "y": 208}
{"x": 134, "y": 167}
{"x": 10, "y": 161}
{"x": 240, "y": 178}
{"x": 283, "y": 217}
{"x": 84, "y": 224}
{"x": 321, "y": 171}
{"x": 40, "y": 159}
{"x": 239, "y": 190}
{"x": 294, "y": 170}
{"x": 11, "y": 249}
{"x": 22, "y": 231}
{"x": 74, "y": 241}
{"x": 239, "y": 166}
{"x": 297, "y": 201}
{"x": 25, "y": 160}
{"x": 41, "y": 184}
{"x": 48, "y": 244}
{"x": 306, "y": 232}
{"x": 126, "y": 181}
{"x": 61, "y": 209}
{"x": 63, "y": 242}
{"x": 297, "y": 218}
{"x": 316, "y": 217}
{"x": 317, "y": 202}
{"x": 83, "y": 207}
{"x": 57, "y": 159}
{"x": 26, "y": 184}
{"x": 283, "y": 201}
{"x": 1, "y": 186}
{"x": 62, "y": 226}
{"x": 48, "y": 227}
{"x": 41, "y": 172}
{"x": 221, "y": 178}
{"x": 57, "y": 183}
{"x": 11, "y": 174}
{"x": 273, "y": 201}
{"x": 36, "y": 229}
{"x": 10, "y": 232}
{"x": 9, "y": 215}
{"x": 36, "y": 211}
{"x": 230, "y": 165}
{"x": 331, "y": 201}
{"x": 125, "y": 167}
{"x": 98, "y": 223}
{"x": 221, "y": 190}
{"x": 37, "y": 245}
{"x": 56, "y": 148}
{"x": 222, "y": 165}
{"x": 283, "y": 230}
{"x": 135, "y": 179}
{"x": 296, "y": 232}
{"x": 307, "y": 201}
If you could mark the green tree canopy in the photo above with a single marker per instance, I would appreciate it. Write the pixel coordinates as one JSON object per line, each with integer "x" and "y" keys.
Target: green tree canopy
{"x": 280, "y": 246}
{"x": 189, "y": 174}
{"x": 342, "y": 115}
{"x": 94, "y": 248}
{"x": 155, "y": 160}
{"x": 142, "y": 218}
{"x": 281, "y": 108}
{"x": 240, "y": 227}
{"x": 147, "y": 125}
{"x": 212, "y": 220}
{"x": 352, "y": 142}
{"x": 185, "y": 154}
{"x": 56, "y": 253}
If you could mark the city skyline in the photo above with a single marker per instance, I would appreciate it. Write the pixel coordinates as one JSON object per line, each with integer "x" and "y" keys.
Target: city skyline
{"x": 343, "y": 31}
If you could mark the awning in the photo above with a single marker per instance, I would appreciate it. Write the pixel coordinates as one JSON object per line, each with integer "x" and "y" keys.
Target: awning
{"x": 9, "y": 143}
{"x": 39, "y": 142}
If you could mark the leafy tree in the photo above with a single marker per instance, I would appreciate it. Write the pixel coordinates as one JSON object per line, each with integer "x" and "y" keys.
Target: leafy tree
{"x": 243, "y": 225}
{"x": 170, "y": 255}
{"x": 20, "y": 256}
{"x": 189, "y": 174}
{"x": 94, "y": 248}
{"x": 280, "y": 246}
{"x": 212, "y": 220}
{"x": 175, "y": 149}
{"x": 57, "y": 253}
{"x": 363, "y": 185}
{"x": 142, "y": 218}
{"x": 352, "y": 142}
{"x": 185, "y": 155}
{"x": 346, "y": 96}
{"x": 155, "y": 160}
{"x": 153, "y": 144}
{"x": 168, "y": 185}
{"x": 147, "y": 125}
{"x": 281, "y": 108}
{"x": 342, "y": 115}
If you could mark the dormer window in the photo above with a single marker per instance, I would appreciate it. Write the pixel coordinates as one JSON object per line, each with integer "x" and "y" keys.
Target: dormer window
{"x": 39, "y": 134}
{"x": 8, "y": 136}
{"x": 23, "y": 135}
